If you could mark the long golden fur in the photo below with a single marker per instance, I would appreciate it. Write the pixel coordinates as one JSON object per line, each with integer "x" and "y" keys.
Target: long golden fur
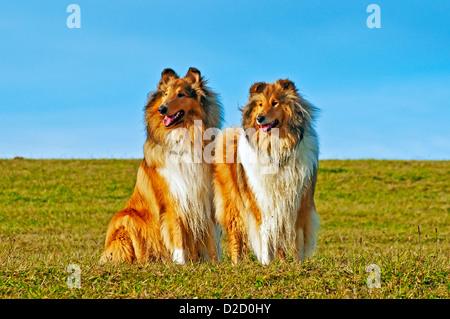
{"x": 265, "y": 174}
{"x": 170, "y": 215}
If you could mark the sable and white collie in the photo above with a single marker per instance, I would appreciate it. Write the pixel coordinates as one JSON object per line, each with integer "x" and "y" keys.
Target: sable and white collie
{"x": 170, "y": 215}
{"x": 265, "y": 175}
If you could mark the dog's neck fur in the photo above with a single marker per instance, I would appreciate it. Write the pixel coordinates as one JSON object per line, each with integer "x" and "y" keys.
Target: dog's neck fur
{"x": 179, "y": 169}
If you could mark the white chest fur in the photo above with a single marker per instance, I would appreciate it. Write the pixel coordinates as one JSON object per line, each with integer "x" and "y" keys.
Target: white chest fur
{"x": 190, "y": 184}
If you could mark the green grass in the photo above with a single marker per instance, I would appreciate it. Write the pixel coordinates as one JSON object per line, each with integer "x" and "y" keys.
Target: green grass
{"x": 55, "y": 212}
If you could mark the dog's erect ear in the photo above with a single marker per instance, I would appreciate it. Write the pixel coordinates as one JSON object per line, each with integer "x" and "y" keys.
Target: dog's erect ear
{"x": 257, "y": 88}
{"x": 287, "y": 84}
{"x": 167, "y": 75}
{"x": 193, "y": 75}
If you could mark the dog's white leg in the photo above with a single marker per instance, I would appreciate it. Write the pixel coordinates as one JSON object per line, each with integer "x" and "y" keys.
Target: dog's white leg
{"x": 179, "y": 256}
{"x": 265, "y": 244}
{"x": 300, "y": 249}
{"x": 310, "y": 235}
{"x": 254, "y": 236}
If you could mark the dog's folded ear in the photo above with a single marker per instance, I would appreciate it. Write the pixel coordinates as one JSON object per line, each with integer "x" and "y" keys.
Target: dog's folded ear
{"x": 167, "y": 75}
{"x": 287, "y": 84}
{"x": 193, "y": 75}
{"x": 257, "y": 88}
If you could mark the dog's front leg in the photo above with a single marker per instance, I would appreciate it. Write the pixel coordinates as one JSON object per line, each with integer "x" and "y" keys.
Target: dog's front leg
{"x": 266, "y": 254}
{"x": 179, "y": 253}
{"x": 300, "y": 246}
{"x": 179, "y": 256}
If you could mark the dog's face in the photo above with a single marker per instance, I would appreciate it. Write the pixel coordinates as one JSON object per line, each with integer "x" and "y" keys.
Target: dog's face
{"x": 178, "y": 103}
{"x": 269, "y": 108}
{"x": 274, "y": 106}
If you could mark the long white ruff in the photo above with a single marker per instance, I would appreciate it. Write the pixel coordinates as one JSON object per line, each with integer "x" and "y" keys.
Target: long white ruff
{"x": 278, "y": 191}
{"x": 190, "y": 183}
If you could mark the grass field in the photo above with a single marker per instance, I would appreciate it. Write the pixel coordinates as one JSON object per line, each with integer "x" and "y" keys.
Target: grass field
{"x": 394, "y": 214}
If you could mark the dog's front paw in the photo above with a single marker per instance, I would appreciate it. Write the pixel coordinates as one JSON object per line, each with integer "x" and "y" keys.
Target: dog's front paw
{"x": 179, "y": 256}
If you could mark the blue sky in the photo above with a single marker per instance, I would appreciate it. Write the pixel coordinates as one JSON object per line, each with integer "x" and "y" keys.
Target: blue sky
{"x": 79, "y": 93}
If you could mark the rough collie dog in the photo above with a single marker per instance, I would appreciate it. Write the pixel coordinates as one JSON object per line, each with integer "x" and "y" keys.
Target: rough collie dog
{"x": 265, "y": 175}
{"x": 171, "y": 214}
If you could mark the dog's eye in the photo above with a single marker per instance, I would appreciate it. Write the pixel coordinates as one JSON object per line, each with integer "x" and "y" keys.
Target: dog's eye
{"x": 165, "y": 93}
{"x": 180, "y": 94}
{"x": 274, "y": 103}
{"x": 260, "y": 104}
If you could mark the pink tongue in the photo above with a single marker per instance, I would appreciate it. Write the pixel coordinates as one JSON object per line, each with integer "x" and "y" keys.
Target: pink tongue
{"x": 167, "y": 120}
{"x": 265, "y": 127}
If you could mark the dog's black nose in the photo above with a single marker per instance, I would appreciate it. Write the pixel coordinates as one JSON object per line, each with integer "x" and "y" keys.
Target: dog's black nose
{"x": 260, "y": 119}
{"x": 162, "y": 109}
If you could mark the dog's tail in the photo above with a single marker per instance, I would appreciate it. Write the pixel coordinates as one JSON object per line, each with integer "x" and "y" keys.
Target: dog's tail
{"x": 119, "y": 247}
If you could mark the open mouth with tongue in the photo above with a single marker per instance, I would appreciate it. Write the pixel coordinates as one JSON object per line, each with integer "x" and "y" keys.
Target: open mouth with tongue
{"x": 267, "y": 127}
{"x": 171, "y": 120}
